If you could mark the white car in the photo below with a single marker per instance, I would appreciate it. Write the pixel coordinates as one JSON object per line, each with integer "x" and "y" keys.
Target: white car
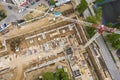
{"x": 4, "y": 0}
{"x": 52, "y": 9}
{"x": 21, "y": 10}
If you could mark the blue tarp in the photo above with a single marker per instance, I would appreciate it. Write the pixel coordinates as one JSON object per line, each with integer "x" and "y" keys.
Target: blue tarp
{"x": 57, "y": 13}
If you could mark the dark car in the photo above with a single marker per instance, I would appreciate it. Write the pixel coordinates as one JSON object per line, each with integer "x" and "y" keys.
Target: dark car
{"x": 9, "y": 7}
{"x": 20, "y": 21}
{"x": 37, "y": 0}
{"x": 27, "y": 6}
{"x": 32, "y": 3}
{"x": 49, "y": 3}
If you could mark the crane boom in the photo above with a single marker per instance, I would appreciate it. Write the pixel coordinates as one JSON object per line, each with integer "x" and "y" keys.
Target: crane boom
{"x": 117, "y": 32}
{"x": 91, "y": 40}
{"x": 100, "y": 28}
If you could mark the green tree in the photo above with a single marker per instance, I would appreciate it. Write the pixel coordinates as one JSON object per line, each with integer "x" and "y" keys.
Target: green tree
{"x": 91, "y": 19}
{"x": 52, "y": 2}
{"x": 98, "y": 13}
{"x": 91, "y": 31}
{"x": 2, "y": 14}
{"x": 116, "y": 44}
{"x": 118, "y": 19}
{"x": 114, "y": 39}
{"x": 58, "y": 75}
{"x": 110, "y": 25}
{"x": 94, "y": 19}
{"x": 82, "y": 6}
{"x": 117, "y": 26}
{"x": 48, "y": 76}
{"x": 61, "y": 75}
{"x": 97, "y": 18}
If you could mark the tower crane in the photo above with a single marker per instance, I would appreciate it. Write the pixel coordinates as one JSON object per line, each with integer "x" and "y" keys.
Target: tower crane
{"x": 100, "y": 28}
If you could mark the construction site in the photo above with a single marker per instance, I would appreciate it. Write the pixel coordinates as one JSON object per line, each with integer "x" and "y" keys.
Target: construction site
{"x": 45, "y": 48}
{"x": 42, "y": 45}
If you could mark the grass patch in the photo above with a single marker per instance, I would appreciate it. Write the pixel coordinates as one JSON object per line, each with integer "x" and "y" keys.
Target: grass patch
{"x": 2, "y": 13}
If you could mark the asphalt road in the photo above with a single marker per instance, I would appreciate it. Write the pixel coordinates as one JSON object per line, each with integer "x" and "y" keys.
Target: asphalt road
{"x": 108, "y": 59}
{"x": 13, "y": 14}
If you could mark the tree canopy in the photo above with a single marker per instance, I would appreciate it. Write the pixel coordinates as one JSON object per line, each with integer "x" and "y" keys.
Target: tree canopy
{"x": 98, "y": 13}
{"x": 52, "y": 2}
{"x": 97, "y": 18}
{"x": 94, "y": 19}
{"x": 114, "y": 39}
{"x": 58, "y": 75}
{"x": 91, "y": 19}
{"x": 118, "y": 23}
{"x": 2, "y": 14}
{"x": 118, "y": 19}
{"x": 91, "y": 31}
{"x": 110, "y": 25}
{"x": 82, "y": 6}
{"x": 61, "y": 75}
{"x": 48, "y": 76}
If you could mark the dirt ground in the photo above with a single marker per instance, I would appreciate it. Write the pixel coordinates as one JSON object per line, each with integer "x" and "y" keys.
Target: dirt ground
{"x": 64, "y": 7}
{"x": 36, "y": 13}
{"x": 34, "y": 74}
{"x": 1, "y": 7}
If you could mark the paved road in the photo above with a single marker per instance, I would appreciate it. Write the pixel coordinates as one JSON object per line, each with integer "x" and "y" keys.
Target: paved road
{"x": 108, "y": 59}
{"x": 113, "y": 51}
{"x": 14, "y": 15}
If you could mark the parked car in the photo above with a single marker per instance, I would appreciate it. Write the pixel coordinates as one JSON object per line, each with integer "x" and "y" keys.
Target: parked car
{"x": 27, "y": 6}
{"x": 20, "y": 21}
{"x": 32, "y": 3}
{"x": 52, "y": 9}
{"x": 37, "y": 0}
{"x": 21, "y": 10}
{"x": 49, "y": 3}
{"x": 9, "y": 7}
